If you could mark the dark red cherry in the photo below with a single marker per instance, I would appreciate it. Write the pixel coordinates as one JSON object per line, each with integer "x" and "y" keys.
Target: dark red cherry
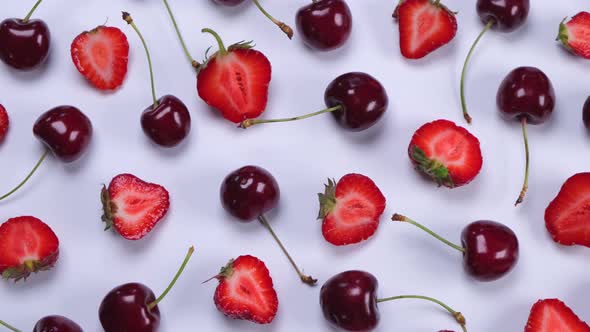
{"x": 507, "y": 15}
{"x": 125, "y": 309}
{"x": 168, "y": 123}
{"x": 249, "y": 192}
{"x": 24, "y": 45}
{"x": 362, "y": 99}
{"x": 526, "y": 92}
{"x": 491, "y": 250}
{"x": 229, "y": 3}
{"x": 324, "y": 24}
{"x": 586, "y": 113}
{"x": 56, "y": 324}
{"x": 349, "y": 301}
{"x": 65, "y": 131}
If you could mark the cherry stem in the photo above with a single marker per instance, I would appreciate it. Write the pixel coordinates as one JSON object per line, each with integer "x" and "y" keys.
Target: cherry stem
{"x": 525, "y": 185}
{"x": 284, "y": 27}
{"x": 402, "y": 218}
{"x": 222, "y": 49}
{"x": 464, "y": 71}
{"x": 26, "y": 19}
{"x": 457, "y": 315}
{"x": 251, "y": 122}
{"x": 305, "y": 279}
{"x": 12, "y": 328}
{"x": 193, "y": 62}
{"x": 127, "y": 17}
{"x": 190, "y": 252}
{"x": 43, "y": 156}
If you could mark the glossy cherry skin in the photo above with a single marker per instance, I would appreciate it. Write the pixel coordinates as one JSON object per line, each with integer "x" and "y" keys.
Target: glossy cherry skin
{"x": 167, "y": 124}
{"x": 362, "y": 97}
{"x": 229, "y": 3}
{"x": 249, "y": 192}
{"x": 23, "y": 45}
{"x": 586, "y": 113}
{"x": 56, "y": 324}
{"x": 125, "y": 309}
{"x": 526, "y": 92}
{"x": 491, "y": 250}
{"x": 65, "y": 131}
{"x": 324, "y": 24}
{"x": 508, "y": 15}
{"x": 349, "y": 301}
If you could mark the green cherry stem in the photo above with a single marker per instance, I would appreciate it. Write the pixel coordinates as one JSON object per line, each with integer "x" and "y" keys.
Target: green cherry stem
{"x": 127, "y": 17}
{"x": 525, "y": 185}
{"x": 190, "y": 252}
{"x": 464, "y": 71}
{"x": 6, "y": 325}
{"x": 193, "y": 62}
{"x": 222, "y": 49}
{"x": 457, "y": 315}
{"x": 304, "y": 278}
{"x": 402, "y": 218}
{"x": 251, "y": 122}
{"x": 284, "y": 27}
{"x": 43, "y": 156}
{"x": 26, "y": 19}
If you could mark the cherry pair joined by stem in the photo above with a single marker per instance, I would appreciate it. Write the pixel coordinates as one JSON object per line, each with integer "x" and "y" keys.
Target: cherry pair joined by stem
{"x": 50, "y": 324}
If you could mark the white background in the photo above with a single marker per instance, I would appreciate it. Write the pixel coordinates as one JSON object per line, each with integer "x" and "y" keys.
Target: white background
{"x": 301, "y": 156}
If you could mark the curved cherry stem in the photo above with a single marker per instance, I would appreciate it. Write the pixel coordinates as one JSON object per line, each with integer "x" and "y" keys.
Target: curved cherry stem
{"x": 193, "y": 62}
{"x": 284, "y": 27}
{"x": 402, "y": 218}
{"x": 463, "y": 103}
{"x": 456, "y": 314}
{"x": 190, "y": 252}
{"x": 26, "y": 19}
{"x": 127, "y": 17}
{"x": 6, "y": 325}
{"x": 251, "y": 122}
{"x": 43, "y": 156}
{"x": 304, "y": 278}
{"x": 525, "y": 185}
{"x": 222, "y": 49}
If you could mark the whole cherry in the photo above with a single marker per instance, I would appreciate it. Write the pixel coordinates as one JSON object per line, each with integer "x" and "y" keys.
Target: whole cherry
{"x": 4, "y": 123}
{"x": 503, "y": 16}
{"x": 65, "y": 131}
{"x": 526, "y": 95}
{"x": 167, "y": 121}
{"x": 349, "y": 302}
{"x": 134, "y": 307}
{"x": 356, "y": 100}
{"x": 247, "y": 194}
{"x": 324, "y": 24}
{"x": 586, "y": 113}
{"x": 489, "y": 249}
{"x": 50, "y": 324}
{"x": 232, "y": 3}
{"x": 229, "y": 3}
{"x": 24, "y": 43}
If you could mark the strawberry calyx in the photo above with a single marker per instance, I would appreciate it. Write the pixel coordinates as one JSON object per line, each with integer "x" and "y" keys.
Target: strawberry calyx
{"x": 108, "y": 207}
{"x": 327, "y": 199}
{"x": 27, "y": 268}
{"x": 223, "y": 51}
{"x": 432, "y": 167}
{"x": 563, "y": 35}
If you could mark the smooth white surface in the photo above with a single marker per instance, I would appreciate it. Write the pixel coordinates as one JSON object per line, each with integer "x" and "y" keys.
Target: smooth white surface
{"x": 301, "y": 156}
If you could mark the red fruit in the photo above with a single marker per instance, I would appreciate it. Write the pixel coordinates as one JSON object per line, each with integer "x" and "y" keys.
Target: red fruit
{"x": 4, "y": 123}
{"x": 449, "y": 154}
{"x": 567, "y": 217}
{"x": 246, "y": 291}
{"x": 27, "y": 245}
{"x": 552, "y": 315}
{"x": 133, "y": 206}
{"x": 350, "y": 209}
{"x": 235, "y": 82}
{"x": 424, "y": 26}
{"x": 575, "y": 34}
{"x": 101, "y": 56}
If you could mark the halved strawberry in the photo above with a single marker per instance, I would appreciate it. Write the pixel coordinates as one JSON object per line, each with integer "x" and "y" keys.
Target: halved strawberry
{"x": 567, "y": 217}
{"x": 246, "y": 291}
{"x": 552, "y": 315}
{"x": 575, "y": 34}
{"x": 350, "y": 209}
{"x": 424, "y": 26}
{"x": 27, "y": 245}
{"x": 101, "y": 55}
{"x": 132, "y": 206}
{"x": 449, "y": 154}
{"x": 235, "y": 81}
{"x": 4, "y": 123}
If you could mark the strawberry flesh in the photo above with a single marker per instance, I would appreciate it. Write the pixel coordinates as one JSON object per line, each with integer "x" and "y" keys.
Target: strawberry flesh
{"x": 246, "y": 291}
{"x": 575, "y": 34}
{"x": 132, "y": 206}
{"x": 567, "y": 217}
{"x": 27, "y": 245}
{"x": 552, "y": 315}
{"x": 4, "y": 123}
